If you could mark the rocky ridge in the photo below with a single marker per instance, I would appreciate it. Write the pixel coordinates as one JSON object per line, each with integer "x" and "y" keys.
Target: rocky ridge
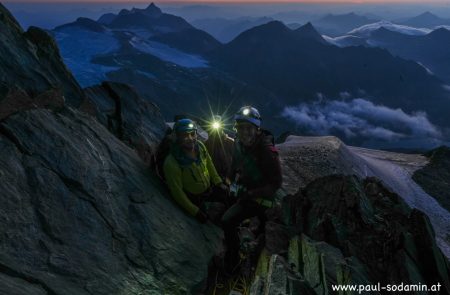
{"x": 82, "y": 213}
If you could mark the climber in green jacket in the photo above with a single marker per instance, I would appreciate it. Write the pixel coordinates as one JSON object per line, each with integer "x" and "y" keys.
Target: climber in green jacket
{"x": 190, "y": 173}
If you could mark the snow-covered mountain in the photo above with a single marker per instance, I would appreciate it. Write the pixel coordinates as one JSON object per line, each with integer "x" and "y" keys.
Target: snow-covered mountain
{"x": 428, "y": 47}
{"x": 136, "y": 31}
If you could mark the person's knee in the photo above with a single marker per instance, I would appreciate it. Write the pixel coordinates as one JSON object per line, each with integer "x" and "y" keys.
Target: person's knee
{"x": 226, "y": 221}
{"x": 231, "y": 216}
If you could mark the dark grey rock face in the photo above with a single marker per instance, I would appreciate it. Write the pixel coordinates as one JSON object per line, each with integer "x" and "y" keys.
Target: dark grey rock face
{"x": 133, "y": 120}
{"x": 351, "y": 232}
{"x": 435, "y": 177}
{"x": 31, "y": 62}
{"x": 367, "y": 222}
{"x": 81, "y": 214}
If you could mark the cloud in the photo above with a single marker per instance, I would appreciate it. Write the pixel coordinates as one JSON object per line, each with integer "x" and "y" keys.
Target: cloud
{"x": 346, "y": 40}
{"x": 360, "y": 118}
{"x": 366, "y": 30}
{"x": 429, "y": 72}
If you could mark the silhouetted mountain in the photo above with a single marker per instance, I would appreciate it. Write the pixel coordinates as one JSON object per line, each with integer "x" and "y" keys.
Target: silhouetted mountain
{"x": 296, "y": 69}
{"x": 107, "y": 18}
{"x": 226, "y": 30}
{"x": 150, "y": 18}
{"x": 190, "y": 40}
{"x": 308, "y": 32}
{"x": 335, "y": 25}
{"x": 293, "y": 26}
{"x": 431, "y": 50}
{"x": 84, "y": 23}
{"x": 295, "y": 16}
{"x": 270, "y": 66}
{"x": 382, "y": 34}
{"x": 426, "y": 20}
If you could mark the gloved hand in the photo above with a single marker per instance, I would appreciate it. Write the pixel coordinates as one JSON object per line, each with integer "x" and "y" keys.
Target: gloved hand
{"x": 201, "y": 216}
{"x": 223, "y": 187}
{"x": 245, "y": 195}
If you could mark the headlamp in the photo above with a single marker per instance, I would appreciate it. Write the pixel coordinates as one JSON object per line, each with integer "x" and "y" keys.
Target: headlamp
{"x": 216, "y": 125}
{"x": 245, "y": 112}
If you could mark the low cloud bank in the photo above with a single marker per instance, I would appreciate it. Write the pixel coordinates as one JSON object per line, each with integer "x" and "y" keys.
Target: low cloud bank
{"x": 360, "y": 118}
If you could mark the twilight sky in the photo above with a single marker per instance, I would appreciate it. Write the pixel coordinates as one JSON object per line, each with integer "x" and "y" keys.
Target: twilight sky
{"x": 236, "y": 1}
{"x": 50, "y": 13}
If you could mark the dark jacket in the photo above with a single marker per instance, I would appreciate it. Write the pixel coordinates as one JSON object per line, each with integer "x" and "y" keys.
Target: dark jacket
{"x": 220, "y": 147}
{"x": 257, "y": 168}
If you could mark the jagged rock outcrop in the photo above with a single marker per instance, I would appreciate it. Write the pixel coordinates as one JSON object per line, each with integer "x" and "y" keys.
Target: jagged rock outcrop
{"x": 133, "y": 120}
{"x": 435, "y": 177}
{"x": 81, "y": 211}
{"x": 31, "y": 62}
{"x": 347, "y": 231}
{"x": 307, "y": 158}
{"x": 81, "y": 214}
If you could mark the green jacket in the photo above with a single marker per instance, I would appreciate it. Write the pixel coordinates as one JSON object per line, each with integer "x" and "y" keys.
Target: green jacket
{"x": 183, "y": 175}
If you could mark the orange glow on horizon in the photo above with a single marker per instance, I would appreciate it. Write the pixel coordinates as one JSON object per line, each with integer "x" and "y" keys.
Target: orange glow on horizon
{"x": 237, "y": 1}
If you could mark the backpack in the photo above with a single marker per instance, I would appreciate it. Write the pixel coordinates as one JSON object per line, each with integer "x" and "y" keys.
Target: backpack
{"x": 161, "y": 154}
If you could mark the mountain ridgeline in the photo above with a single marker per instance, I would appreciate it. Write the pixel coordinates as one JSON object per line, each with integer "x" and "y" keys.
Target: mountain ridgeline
{"x": 270, "y": 66}
{"x": 298, "y": 64}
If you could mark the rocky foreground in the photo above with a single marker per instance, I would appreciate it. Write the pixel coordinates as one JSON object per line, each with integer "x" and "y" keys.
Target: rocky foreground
{"x": 347, "y": 231}
{"x": 82, "y": 213}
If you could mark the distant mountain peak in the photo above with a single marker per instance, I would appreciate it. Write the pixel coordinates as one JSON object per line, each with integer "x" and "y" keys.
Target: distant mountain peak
{"x": 308, "y": 31}
{"x": 352, "y": 15}
{"x": 272, "y": 27}
{"x": 428, "y": 14}
{"x": 124, "y": 12}
{"x": 152, "y": 6}
{"x": 106, "y": 19}
{"x": 274, "y": 24}
{"x": 308, "y": 26}
{"x": 383, "y": 32}
{"x": 269, "y": 31}
{"x": 440, "y": 33}
{"x": 153, "y": 10}
{"x": 426, "y": 20}
{"x": 86, "y": 23}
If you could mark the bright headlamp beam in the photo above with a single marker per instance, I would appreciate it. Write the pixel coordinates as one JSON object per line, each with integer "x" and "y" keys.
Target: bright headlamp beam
{"x": 216, "y": 125}
{"x": 245, "y": 112}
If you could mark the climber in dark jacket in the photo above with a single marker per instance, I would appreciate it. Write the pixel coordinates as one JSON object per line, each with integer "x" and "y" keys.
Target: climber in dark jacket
{"x": 255, "y": 175}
